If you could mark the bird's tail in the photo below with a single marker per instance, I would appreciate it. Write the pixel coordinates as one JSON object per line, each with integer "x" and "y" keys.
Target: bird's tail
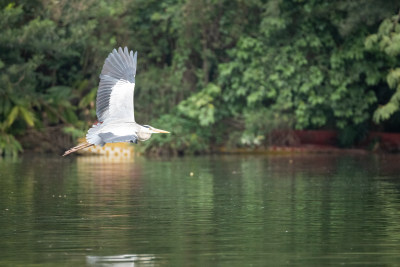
{"x": 76, "y": 148}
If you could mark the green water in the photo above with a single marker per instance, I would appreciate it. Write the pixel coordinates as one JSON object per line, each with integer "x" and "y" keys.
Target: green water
{"x": 300, "y": 210}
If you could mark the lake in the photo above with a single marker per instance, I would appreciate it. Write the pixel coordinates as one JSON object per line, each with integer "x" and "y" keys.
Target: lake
{"x": 298, "y": 210}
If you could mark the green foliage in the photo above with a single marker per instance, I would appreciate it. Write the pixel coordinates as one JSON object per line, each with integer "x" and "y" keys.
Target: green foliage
{"x": 259, "y": 125}
{"x": 9, "y": 146}
{"x": 387, "y": 40}
{"x": 214, "y": 72}
{"x": 48, "y": 51}
{"x": 303, "y": 67}
{"x": 186, "y": 137}
{"x": 200, "y": 105}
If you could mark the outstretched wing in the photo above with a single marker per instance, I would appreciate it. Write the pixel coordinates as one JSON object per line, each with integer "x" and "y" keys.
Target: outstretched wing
{"x": 116, "y": 88}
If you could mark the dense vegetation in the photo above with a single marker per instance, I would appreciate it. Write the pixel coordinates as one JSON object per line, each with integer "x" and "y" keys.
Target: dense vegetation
{"x": 214, "y": 72}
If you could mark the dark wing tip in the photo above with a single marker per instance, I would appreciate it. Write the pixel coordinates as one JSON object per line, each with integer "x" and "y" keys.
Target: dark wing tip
{"x": 120, "y": 64}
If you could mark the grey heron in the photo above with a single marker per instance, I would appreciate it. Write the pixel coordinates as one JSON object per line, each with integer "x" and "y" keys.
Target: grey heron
{"x": 114, "y": 104}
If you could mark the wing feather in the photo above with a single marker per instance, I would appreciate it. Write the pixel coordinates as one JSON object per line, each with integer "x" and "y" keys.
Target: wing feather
{"x": 131, "y": 58}
{"x": 118, "y": 58}
{"x": 116, "y": 88}
{"x": 114, "y": 57}
{"x": 123, "y": 59}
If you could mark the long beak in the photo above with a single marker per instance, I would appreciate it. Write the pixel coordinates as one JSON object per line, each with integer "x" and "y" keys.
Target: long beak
{"x": 155, "y": 130}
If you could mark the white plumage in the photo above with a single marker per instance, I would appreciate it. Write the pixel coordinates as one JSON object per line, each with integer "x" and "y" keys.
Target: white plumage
{"x": 117, "y": 85}
{"x": 115, "y": 110}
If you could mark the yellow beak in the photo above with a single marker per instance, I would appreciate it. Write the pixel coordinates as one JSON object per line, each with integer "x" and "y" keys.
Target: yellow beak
{"x": 159, "y": 131}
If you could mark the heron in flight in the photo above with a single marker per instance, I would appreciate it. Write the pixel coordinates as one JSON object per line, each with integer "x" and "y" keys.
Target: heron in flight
{"x": 115, "y": 104}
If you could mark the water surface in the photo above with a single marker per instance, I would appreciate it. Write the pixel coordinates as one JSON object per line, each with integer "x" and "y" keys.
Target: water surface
{"x": 304, "y": 210}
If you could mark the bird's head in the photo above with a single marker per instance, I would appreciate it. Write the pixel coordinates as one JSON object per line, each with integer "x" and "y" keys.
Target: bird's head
{"x": 146, "y": 131}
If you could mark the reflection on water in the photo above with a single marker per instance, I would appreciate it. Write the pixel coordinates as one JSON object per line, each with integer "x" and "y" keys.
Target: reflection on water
{"x": 200, "y": 211}
{"x": 120, "y": 260}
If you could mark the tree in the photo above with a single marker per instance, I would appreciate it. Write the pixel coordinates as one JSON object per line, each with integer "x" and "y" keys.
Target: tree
{"x": 387, "y": 40}
{"x": 307, "y": 61}
{"x": 48, "y": 55}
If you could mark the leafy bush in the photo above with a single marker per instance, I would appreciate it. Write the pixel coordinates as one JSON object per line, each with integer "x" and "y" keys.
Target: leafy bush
{"x": 212, "y": 72}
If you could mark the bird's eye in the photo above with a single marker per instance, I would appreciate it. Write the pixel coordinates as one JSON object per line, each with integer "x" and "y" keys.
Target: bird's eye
{"x": 147, "y": 126}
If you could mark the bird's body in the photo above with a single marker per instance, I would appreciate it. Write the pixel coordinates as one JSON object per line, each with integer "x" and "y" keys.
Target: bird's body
{"x": 115, "y": 104}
